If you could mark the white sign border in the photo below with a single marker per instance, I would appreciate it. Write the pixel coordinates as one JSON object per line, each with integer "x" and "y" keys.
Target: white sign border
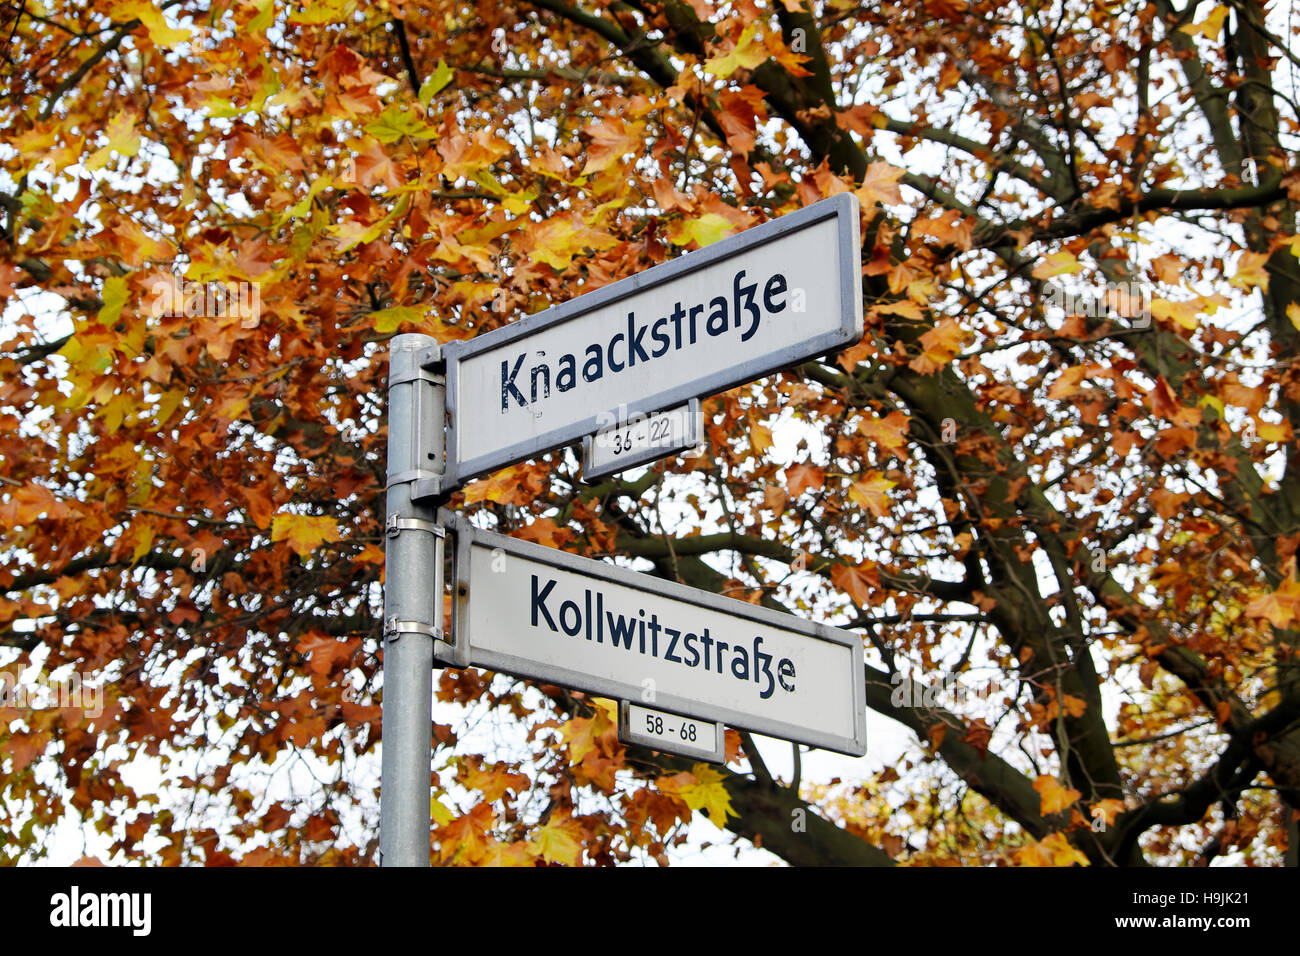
{"x": 462, "y": 653}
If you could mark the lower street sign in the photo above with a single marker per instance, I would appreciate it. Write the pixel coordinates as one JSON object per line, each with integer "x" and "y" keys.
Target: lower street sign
{"x": 541, "y": 613}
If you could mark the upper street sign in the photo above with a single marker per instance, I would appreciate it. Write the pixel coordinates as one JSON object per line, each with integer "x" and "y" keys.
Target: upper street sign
{"x": 555, "y": 617}
{"x": 764, "y": 299}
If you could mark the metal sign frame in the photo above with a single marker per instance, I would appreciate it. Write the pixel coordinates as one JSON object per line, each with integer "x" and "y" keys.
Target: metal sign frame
{"x": 461, "y": 652}
{"x": 630, "y": 733}
{"x": 842, "y": 207}
{"x": 692, "y": 437}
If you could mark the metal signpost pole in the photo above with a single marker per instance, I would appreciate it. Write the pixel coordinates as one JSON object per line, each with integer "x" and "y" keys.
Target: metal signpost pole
{"x": 413, "y": 560}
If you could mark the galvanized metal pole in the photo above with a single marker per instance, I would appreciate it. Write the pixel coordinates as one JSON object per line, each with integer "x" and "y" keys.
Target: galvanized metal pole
{"x": 413, "y": 583}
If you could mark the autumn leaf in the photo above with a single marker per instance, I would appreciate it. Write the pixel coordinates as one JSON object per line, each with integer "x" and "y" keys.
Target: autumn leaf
{"x": 1211, "y": 26}
{"x": 1057, "y": 263}
{"x": 939, "y": 346}
{"x": 747, "y": 53}
{"x": 702, "y": 231}
{"x": 701, "y": 789}
{"x": 801, "y": 478}
{"x": 880, "y": 185}
{"x": 1252, "y": 272}
{"x": 435, "y": 83}
{"x": 303, "y": 533}
{"x": 872, "y": 493}
{"x": 560, "y": 840}
{"x": 890, "y": 432}
{"x": 857, "y": 581}
{"x": 1052, "y": 850}
{"x": 1053, "y": 796}
{"x": 558, "y": 240}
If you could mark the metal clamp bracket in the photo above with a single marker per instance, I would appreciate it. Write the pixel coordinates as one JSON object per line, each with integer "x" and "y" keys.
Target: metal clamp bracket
{"x": 396, "y": 524}
{"x": 393, "y": 628}
{"x": 418, "y": 374}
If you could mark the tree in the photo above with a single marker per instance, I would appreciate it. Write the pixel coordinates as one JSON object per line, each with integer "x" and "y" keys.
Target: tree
{"x": 1054, "y": 486}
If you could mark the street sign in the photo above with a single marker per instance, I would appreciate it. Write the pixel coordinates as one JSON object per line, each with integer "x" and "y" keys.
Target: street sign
{"x": 673, "y": 733}
{"x": 634, "y": 440}
{"x": 544, "y": 614}
{"x": 737, "y": 310}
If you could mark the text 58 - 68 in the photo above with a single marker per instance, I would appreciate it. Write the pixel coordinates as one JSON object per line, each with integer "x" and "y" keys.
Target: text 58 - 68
{"x": 686, "y": 730}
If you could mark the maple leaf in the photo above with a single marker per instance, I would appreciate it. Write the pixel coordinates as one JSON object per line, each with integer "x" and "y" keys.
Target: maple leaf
{"x": 702, "y": 231}
{"x": 939, "y": 346}
{"x": 303, "y": 533}
{"x": 889, "y": 432}
{"x": 560, "y": 840}
{"x": 1281, "y": 608}
{"x": 1058, "y": 263}
{"x": 1211, "y": 26}
{"x": 1053, "y": 796}
{"x": 558, "y": 240}
{"x": 160, "y": 32}
{"x": 748, "y": 52}
{"x": 465, "y": 839}
{"x": 801, "y": 478}
{"x": 436, "y": 82}
{"x": 122, "y": 139}
{"x": 872, "y": 493}
{"x": 1107, "y": 810}
{"x": 611, "y": 140}
{"x": 880, "y": 185}
{"x": 701, "y": 789}
{"x": 1052, "y": 850}
{"x": 857, "y": 582}
{"x": 1252, "y": 272}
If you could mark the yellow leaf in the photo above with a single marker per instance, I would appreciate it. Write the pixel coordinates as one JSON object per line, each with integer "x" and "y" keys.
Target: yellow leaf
{"x": 440, "y": 77}
{"x": 1054, "y": 850}
{"x": 1184, "y": 313}
{"x": 558, "y": 841}
{"x": 441, "y": 815}
{"x": 1058, "y": 263}
{"x": 1251, "y": 273}
{"x": 1210, "y": 27}
{"x": 1053, "y": 796}
{"x": 304, "y": 533}
{"x": 154, "y": 22}
{"x": 556, "y": 241}
{"x": 122, "y": 139}
{"x": 264, "y": 18}
{"x": 705, "y": 230}
{"x": 760, "y": 437}
{"x": 114, "y": 297}
{"x": 701, "y": 789}
{"x": 870, "y": 493}
{"x": 389, "y": 320}
{"x": 1293, "y": 313}
{"x": 748, "y": 53}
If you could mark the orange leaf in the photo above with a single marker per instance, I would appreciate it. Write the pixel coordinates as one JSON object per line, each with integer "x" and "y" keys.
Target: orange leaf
{"x": 1053, "y": 795}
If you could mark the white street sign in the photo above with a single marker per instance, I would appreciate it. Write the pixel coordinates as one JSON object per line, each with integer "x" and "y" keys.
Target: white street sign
{"x": 673, "y": 733}
{"x": 542, "y": 613}
{"x": 634, "y": 440}
{"x": 759, "y": 301}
